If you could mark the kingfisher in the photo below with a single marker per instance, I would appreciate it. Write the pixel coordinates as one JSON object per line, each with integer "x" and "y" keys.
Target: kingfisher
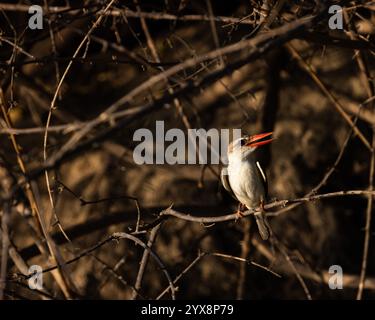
{"x": 245, "y": 179}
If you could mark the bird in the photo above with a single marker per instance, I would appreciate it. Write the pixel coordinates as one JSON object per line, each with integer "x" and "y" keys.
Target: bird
{"x": 245, "y": 179}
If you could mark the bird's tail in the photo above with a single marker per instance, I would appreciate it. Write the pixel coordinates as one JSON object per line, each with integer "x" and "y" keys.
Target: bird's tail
{"x": 262, "y": 225}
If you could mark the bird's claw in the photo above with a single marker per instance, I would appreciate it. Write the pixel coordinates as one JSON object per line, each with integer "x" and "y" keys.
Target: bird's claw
{"x": 239, "y": 215}
{"x": 239, "y": 211}
{"x": 262, "y": 206}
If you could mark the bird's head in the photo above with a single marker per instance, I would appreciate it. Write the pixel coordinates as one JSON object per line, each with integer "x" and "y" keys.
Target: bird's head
{"x": 245, "y": 145}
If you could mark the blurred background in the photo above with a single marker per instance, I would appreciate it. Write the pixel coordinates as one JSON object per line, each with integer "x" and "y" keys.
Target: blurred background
{"x": 98, "y": 70}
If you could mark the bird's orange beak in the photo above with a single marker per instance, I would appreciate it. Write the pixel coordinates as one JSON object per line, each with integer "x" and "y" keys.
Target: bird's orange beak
{"x": 259, "y": 140}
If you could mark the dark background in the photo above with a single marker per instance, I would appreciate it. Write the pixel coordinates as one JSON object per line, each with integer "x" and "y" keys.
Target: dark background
{"x": 272, "y": 92}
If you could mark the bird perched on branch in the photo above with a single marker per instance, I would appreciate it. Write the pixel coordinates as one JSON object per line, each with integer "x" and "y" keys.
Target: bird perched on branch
{"x": 245, "y": 179}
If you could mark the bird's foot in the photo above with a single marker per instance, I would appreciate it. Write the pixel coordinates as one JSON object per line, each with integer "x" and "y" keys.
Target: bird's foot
{"x": 239, "y": 214}
{"x": 262, "y": 203}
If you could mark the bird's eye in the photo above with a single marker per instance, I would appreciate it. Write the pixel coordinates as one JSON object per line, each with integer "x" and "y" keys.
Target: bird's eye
{"x": 242, "y": 141}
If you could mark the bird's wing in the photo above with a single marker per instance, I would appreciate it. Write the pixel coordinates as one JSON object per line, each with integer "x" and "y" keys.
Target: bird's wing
{"x": 263, "y": 177}
{"x": 225, "y": 181}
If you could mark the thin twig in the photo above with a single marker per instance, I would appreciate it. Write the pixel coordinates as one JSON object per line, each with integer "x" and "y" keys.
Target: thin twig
{"x": 284, "y": 252}
{"x": 322, "y": 277}
{"x": 365, "y": 78}
{"x": 183, "y": 272}
{"x": 53, "y": 249}
{"x": 5, "y": 246}
{"x": 336, "y": 103}
{"x": 144, "y": 261}
{"x": 328, "y": 174}
{"x": 117, "y": 236}
{"x": 116, "y": 275}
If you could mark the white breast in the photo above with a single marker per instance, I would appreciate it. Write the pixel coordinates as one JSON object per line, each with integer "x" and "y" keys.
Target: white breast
{"x": 245, "y": 181}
